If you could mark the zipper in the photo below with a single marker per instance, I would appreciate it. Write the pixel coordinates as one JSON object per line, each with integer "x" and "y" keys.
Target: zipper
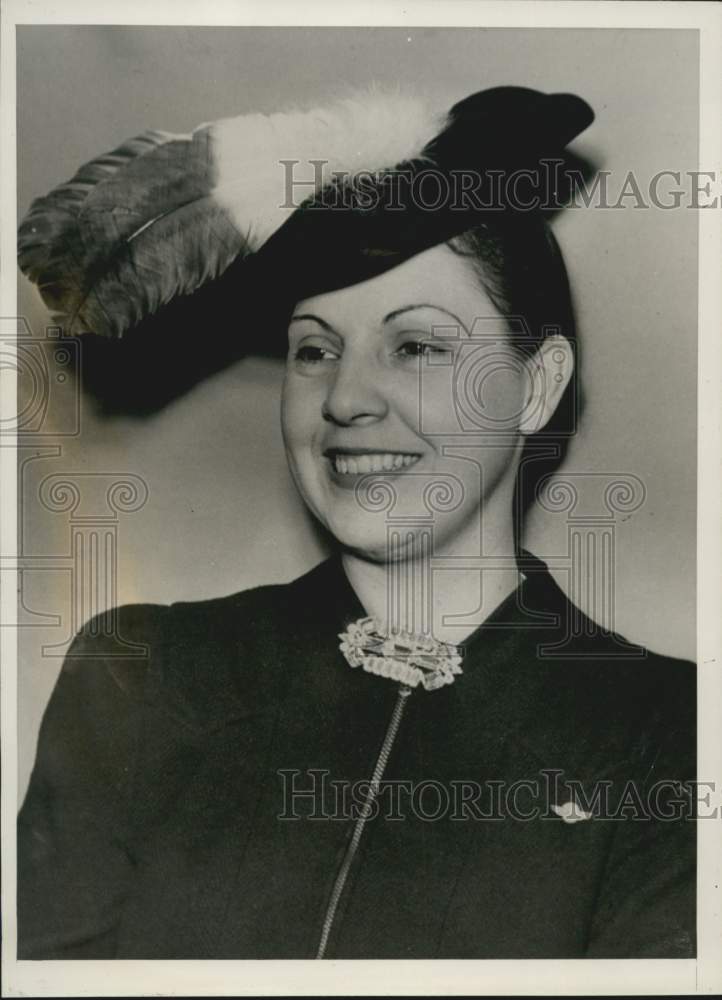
{"x": 378, "y": 772}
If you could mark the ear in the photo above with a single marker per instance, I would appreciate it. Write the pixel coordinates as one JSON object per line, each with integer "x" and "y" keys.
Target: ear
{"x": 549, "y": 370}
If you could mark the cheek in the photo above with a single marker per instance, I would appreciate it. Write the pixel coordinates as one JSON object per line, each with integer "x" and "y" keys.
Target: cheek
{"x": 478, "y": 395}
{"x": 500, "y": 397}
{"x": 433, "y": 409}
{"x": 299, "y": 414}
{"x": 299, "y": 423}
{"x": 489, "y": 391}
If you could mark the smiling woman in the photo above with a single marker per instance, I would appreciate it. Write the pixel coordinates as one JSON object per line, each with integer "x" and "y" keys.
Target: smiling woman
{"x": 362, "y": 361}
{"x": 421, "y": 748}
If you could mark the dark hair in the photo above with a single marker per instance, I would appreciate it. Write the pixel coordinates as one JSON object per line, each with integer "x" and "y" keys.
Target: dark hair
{"x": 521, "y": 268}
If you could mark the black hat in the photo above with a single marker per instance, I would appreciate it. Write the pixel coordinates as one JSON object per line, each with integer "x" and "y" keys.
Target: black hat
{"x": 165, "y": 241}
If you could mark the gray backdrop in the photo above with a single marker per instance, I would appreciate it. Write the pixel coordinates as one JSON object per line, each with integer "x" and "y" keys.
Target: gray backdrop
{"x": 221, "y": 514}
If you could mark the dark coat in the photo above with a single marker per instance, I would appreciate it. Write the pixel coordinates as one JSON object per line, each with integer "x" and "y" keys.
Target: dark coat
{"x": 155, "y": 824}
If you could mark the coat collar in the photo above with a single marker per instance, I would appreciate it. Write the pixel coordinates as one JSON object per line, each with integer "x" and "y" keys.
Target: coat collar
{"x": 549, "y": 707}
{"x": 551, "y": 712}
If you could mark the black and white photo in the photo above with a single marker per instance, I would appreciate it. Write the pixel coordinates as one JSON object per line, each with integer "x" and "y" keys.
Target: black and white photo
{"x": 358, "y": 457}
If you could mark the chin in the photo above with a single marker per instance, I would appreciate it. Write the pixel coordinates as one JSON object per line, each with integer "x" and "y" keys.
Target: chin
{"x": 365, "y": 541}
{"x": 374, "y": 543}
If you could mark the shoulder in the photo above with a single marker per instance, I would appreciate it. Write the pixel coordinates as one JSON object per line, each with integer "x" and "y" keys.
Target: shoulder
{"x": 604, "y": 694}
{"x": 567, "y": 635}
{"x": 624, "y": 675}
{"x": 198, "y": 661}
{"x": 131, "y": 636}
{"x": 91, "y": 723}
{"x": 119, "y": 643}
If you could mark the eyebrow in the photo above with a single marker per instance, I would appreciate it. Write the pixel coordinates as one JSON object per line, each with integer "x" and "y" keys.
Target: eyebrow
{"x": 422, "y": 305}
{"x": 316, "y": 319}
{"x": 387, "y": 318}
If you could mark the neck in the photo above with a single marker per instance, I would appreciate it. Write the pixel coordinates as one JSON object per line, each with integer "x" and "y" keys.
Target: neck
{"x": 446, "y": 597}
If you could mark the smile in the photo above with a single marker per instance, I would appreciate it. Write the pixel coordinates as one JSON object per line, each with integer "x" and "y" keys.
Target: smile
{"x": 347, "y": 464}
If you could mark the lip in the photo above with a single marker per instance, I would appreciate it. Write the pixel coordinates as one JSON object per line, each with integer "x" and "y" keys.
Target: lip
{"x": 332, "y": 452}
{"x": 349, "y": 480}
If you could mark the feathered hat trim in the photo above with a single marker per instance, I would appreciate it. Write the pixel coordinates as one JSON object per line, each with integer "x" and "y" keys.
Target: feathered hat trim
{"x": 162, "y": 214}
{"x": 167, "y": 219}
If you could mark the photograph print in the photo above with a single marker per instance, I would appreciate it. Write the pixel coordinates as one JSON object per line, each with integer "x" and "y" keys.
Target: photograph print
{"x": 357, "y": 471}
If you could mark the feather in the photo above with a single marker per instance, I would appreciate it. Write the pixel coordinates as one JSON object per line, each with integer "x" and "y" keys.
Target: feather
{"x": 162, "y": 214}
{"x": 370, "y": 133}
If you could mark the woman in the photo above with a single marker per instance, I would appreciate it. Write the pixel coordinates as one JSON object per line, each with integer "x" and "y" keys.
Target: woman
{"x": 421, "y": 748}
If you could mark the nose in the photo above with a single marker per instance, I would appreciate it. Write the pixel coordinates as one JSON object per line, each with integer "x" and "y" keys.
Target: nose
{"x": 355, "y": 395}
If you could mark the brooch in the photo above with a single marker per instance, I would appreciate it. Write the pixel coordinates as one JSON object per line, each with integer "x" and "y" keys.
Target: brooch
{"x": 402, "y": 656}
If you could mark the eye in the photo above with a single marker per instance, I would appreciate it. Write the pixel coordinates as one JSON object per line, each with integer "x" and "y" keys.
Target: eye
{"x": 313, "y": 354}
{"x": 418, "y": 348}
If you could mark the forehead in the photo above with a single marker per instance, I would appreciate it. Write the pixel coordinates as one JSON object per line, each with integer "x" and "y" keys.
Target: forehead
{"x": 437, "y": 277}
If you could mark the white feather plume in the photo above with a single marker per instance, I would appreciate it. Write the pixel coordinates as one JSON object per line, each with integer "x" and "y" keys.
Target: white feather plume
{"x": 370, "y": 132}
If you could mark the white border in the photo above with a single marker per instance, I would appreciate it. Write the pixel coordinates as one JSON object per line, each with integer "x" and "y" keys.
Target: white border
{"x": 245, "y": 978}
{"x": 709, "y": 521}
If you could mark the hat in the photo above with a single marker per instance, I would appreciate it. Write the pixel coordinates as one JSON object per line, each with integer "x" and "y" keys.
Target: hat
{"x": 158, "y": 242}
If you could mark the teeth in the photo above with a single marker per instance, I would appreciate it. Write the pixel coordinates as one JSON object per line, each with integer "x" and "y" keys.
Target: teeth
{"x": 359, "y": 465}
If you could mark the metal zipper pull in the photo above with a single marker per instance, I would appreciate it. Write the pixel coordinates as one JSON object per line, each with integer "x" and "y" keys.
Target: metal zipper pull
{"x": 381, "y": 761}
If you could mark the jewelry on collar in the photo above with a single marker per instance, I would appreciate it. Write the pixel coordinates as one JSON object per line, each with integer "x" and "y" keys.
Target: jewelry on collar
{"x": 401, "y": 656}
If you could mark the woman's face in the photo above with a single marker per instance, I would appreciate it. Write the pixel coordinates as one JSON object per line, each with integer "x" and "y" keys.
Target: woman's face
{"x": 401, "y": 407}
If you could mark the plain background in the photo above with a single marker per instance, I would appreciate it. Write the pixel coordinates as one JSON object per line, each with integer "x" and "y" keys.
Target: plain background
{"x": 222, "y": 514}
